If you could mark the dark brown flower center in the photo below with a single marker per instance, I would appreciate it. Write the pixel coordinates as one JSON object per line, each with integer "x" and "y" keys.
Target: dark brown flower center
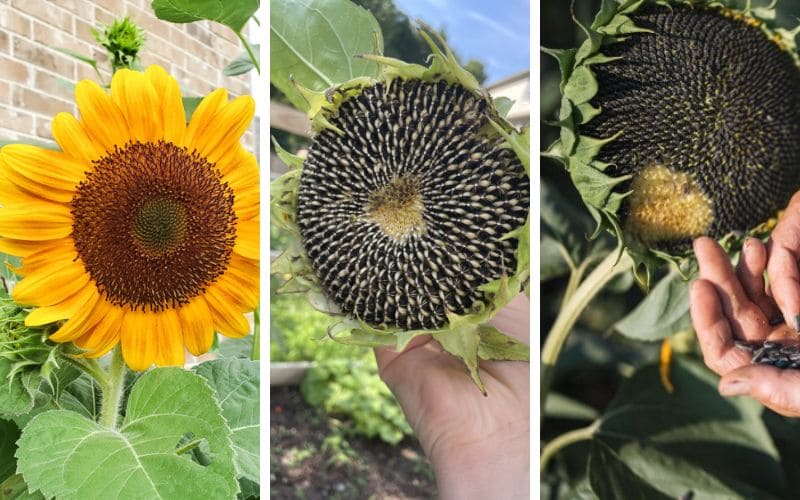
{"x": 154, "y": 225}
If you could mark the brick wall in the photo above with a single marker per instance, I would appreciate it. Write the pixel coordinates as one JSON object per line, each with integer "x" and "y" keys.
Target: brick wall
{"x": 35, "y": 79}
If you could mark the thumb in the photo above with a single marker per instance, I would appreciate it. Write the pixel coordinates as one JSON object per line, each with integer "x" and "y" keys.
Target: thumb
{"x": 776, "y": 389}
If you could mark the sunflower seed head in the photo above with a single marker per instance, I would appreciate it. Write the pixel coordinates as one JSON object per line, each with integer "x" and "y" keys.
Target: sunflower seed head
{"x": 402, "y": 215}
{"x": 704, "y": 109}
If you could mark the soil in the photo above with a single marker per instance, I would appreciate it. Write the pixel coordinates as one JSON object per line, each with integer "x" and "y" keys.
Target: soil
{"x": 310, "y": 458}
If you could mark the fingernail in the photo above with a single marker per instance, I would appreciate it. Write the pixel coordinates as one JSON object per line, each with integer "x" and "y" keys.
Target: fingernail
{"x": 776, "y": 320}
{"x": 736, "y": 387}
{"x": 797, "y": 323}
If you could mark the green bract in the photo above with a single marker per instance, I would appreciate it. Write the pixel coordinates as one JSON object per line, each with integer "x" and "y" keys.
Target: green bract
{"x": 409, "y": 215}
{"x": 680, "y": 119}
{"x": 122, "y": 39}
{"x": 24, "y": 350}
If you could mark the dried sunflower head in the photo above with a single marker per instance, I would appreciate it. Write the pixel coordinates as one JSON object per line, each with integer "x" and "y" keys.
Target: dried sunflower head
{"x": 410, "y": 210}
{"x": 680, "y": 119}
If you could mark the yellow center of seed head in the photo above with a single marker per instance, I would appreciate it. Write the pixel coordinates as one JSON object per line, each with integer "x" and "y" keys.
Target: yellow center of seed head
{"x": 397, "y": 208}
{"x": 667, "y": 205}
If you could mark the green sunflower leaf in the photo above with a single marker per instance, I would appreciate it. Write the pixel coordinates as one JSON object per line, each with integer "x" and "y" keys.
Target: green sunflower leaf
{"x": 242, "y": 64}
{"x": 495, "y": 345}
{"x": 9, "y": 433}
{"x": 65, "y": 455}
{"x": 313, "y": 42}
{"x": 503, "y": 105}
{"x": 462, "y": 341}
{"x": 232, "y": 14}
{"x": 249, "y": 490}
{"x": 14, "y": 487}
{"x": 663, "y": 312}
{"x": 581, "y": 86}
{"x": 236, "y": 384}
{"x": 566, "y": 61}
{"x": 16, "y": 394}
{"x": 655, "y": 444}
{"x": 189, "y": 105}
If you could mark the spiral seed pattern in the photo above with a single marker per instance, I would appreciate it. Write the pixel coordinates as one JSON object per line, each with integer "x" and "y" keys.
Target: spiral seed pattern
{"x": 707, "y": 93}
{"x": 403, "y": 215}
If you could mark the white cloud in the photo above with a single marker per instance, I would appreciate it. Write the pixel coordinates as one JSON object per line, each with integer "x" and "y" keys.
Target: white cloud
{"x": 496, "y": 26}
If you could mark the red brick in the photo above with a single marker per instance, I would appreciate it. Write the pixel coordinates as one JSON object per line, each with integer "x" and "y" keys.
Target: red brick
{"x": 33, "y": 53}
{"x": 16, "y": 120}
{"x": 38, "y": 102}
{"x": 115, "y": 7}
{"x": 14, "y": 71}
{"x": 13, "y": 20}
{"x": 5, "y": 48}
{"x": 5, "y": 92}
{"x": 56, "y": 39}
{"x": 44, "y": 11}
{"x": 50, "y": 84}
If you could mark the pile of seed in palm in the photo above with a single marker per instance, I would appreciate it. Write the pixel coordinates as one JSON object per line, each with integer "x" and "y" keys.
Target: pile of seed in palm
{"x": 772, "y": 353}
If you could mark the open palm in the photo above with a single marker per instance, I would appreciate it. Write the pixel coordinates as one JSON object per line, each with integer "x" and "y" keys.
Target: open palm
{"x": 729, "y": 305}
{"x": 479, "y": 445}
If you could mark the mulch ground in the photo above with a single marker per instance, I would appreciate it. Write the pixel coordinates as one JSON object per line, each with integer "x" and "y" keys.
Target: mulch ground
{"x": 309, "y": 459}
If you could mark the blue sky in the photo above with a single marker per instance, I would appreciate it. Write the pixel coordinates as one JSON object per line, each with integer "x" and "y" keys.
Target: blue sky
{"x": 497, "y": 33}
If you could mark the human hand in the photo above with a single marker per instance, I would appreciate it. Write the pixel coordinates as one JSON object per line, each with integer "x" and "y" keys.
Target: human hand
{"x": 728, "y": 305}
{"x": 479, "y": 445}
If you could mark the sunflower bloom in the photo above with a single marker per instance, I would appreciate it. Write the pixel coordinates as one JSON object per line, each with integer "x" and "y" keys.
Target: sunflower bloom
{"x": 143, "y": 230}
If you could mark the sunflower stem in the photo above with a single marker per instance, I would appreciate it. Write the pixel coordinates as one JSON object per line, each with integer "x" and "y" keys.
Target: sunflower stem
{"x": 249, "y": 52}
{"x": 91, "y": 367}
{"x": 112, "y": 390}
{"x": 191, "y": 445}
{"x": 564, "y": 440}
{"x": 255, "y": 354}
{"x": 613, "y": 264}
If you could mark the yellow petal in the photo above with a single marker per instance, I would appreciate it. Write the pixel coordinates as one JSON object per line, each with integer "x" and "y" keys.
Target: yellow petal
{"x": 169, "y": 338}
{"x": 247, "y": 238}
{"x": 56, "y": 251}
{"x": 103, "y": 336}
{"x": 138, "y": 348}
{"x": 227, "y": 318}
{"x": 12, "y": 194}
{"x": 246, "y": 204}
{"x": 239, "y": 168}
{"x": 240, "y": 284}
{"x": 203, "y": 116}
{"x": 229, "y": 123}
{"x": 135, "y": 96}
{"x": 70, "y": 135}
{"x": 18, "y": 186}
{"x": 197, "y": 327}
{"x": 49, "y": 168}
{"x": 24, "y": 248}
{"x": 64, "y": 310}
{"x": 169, "y": 94}
{"x": 80, "y": 323}
{"x": 51, "y": 284}
{"x": 238, "y": 296}
{"x": 43, "y": 222}
{"x": 101, "y": 118}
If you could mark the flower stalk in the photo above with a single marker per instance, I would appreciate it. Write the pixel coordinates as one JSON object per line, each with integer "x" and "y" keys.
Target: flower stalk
{"x": 112, "y": 390}
{"x": 564, "y": 440}
{"x": 615, "y": 263}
